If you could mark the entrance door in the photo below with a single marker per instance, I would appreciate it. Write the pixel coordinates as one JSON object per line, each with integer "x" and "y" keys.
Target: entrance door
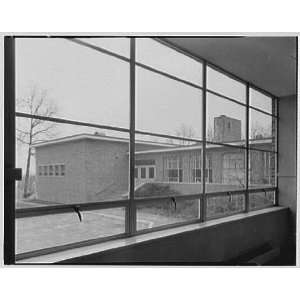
{"x": 144, "y": 174}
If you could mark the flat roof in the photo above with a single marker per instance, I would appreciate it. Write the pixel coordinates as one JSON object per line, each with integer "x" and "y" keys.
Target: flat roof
{"x": 168, "y": 147}
{"x": 83, "y": 136}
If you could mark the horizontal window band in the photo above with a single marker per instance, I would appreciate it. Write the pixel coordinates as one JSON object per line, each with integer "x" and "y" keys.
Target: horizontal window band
{"x": 263, "y": 112}
{"x": 66, "y": 208}
{"x": 154, "y": 70}
{"x": 225, "y": 97}
{"x": 70, "y": 122}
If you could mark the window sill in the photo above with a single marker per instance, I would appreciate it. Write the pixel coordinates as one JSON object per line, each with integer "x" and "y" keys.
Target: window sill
{"x": 125, "y": 242}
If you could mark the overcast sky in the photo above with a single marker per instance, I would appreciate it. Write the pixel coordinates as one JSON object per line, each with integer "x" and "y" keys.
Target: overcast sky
{"x": 93, "y": 87}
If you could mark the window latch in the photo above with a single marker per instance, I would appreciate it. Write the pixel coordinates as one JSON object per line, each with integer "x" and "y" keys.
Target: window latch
{"x": 174, "y": 201}
{"x": 76, "y": 209}
{"x": 230, "y": 196}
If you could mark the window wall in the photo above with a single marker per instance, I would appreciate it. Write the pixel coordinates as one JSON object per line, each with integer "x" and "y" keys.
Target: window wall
{"x": 123, "y": 136}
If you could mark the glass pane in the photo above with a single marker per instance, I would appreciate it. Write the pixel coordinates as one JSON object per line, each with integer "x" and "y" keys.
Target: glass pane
{"x": 174, "y": 167}
{"x": 70, "y": 164}
{"x": 261, "y": 101}
{"x": 262, "y": 169}
{"x": 261, "y": 200}
{"x": 227, "y": 168}
{"x": 225, "y": 120}
{"x": 118, "y": 45}
{"x": 222, "y": 84}
{"x": 66, "y": 80}
{"x": 167, "y": 106}
{"x": 166, "y": 212}
{"x": 222, "y": 206}
{"x": 35, "y": 233}
{"x": 262, "y": 130}
{"x": 163, "y": 58}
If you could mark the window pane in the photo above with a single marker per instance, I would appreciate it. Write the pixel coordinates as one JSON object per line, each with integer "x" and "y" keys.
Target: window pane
{"x": 227, "y": 168}
{"x": 151, "y": 172}
{"x": 167, "y": 106}
{"x": 166, "y": 212}
{"x": 222, "y": 84}
{"x": 225, "y": 120}
{"x": 35, "y": 233}
{"x": 262, "y": 169}
{"x": 262, "y": 130}
{"x": 118, "y": 45}
{"x": 50, "y": 170}
{"x": 143, "y": 172}
{"x": 87, "y": 165}
{"x": 261, "y": 200}
{"x": 56, "y": 170}
{"x": 222, "y": 206}
{"x": 163, "y": 58}
{"x": 71, "y": 81}
{"x": 260, "y": 101}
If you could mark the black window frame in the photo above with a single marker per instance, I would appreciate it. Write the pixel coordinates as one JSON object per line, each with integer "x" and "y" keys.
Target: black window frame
{"x": 12, "y": 174}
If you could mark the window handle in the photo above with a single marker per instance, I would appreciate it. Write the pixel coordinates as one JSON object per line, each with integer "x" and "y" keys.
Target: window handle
{"x": 15, "y": 174}
{"x": 174, "y": 201}
{"x": 76, "y": 208}
{"x": 230, "y": 197}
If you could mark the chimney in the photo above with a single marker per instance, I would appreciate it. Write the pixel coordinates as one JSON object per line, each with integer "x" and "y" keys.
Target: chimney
{"x": 227, "y": 129}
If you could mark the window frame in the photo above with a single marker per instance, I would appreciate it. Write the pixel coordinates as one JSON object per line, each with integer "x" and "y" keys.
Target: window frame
{"x": 129, "y": 203}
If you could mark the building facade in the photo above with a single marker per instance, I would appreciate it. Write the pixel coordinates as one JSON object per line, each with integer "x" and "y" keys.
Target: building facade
{"x": 90, "y": 168}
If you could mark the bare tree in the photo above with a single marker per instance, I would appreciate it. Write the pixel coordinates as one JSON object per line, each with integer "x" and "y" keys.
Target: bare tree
{"x": 184, "y": 131}
{"x": 259, "y": 131}
{"x": 31, "y": 130}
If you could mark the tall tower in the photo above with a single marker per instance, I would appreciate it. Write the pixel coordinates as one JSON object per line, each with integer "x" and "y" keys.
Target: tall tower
{"x": 227, "y": 129}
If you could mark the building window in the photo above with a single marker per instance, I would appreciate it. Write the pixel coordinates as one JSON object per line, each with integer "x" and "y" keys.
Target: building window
{"x": 151, "y": 172}
{"x": 233, "y": 168}
{"x": 62, "y": 170}
{"x": 51, "y": 170}
{"x": 40, "y": 171}
{"x": 136, "y": 172}
{"x": 56, "y": 170}
{"x": 174, "y": 169}
{"x": 143, "y": 172}
{"x": 196, "y": 167}
{"x": 45, "y": 170}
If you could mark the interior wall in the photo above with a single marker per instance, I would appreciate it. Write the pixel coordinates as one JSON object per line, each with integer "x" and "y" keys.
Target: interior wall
{"x": 287, "y": 162}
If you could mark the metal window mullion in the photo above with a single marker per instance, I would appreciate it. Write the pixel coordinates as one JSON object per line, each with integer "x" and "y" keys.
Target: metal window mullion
{"x": 247, "y": 150}
{"x": 9, "y": 153}
{"x": 203, "y": 200}
{"x": 277, "y": 146}
{"x": 131, "y": 211}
